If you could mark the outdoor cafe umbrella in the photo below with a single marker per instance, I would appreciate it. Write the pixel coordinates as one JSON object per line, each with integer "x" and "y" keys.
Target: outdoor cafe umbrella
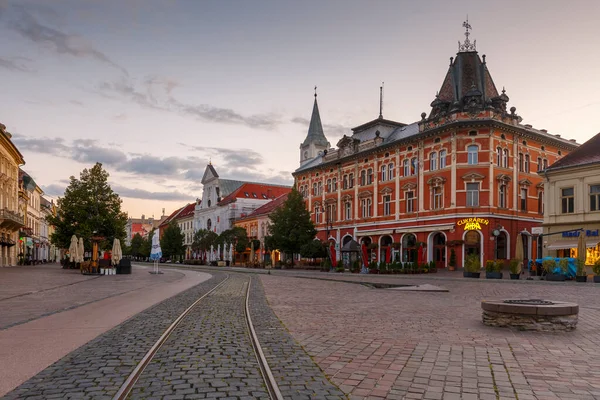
{"x": 332, "y": 255}
{"x": 73, "y": 249}
{"x": 252, "y": 251}
{"x": 117, "y": 253}
{"x": 421, "y": 255}
{"x": 519, "y": 250}
{"x": 80, "y": 250}
{"x": 581, "y": 247}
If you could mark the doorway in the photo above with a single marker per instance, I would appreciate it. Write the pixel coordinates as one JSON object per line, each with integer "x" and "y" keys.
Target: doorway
{"x": 439, "y": 249}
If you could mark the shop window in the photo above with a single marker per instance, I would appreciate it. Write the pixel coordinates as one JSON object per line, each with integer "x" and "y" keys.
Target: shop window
{"x": 442, "y": 159}
{"x": 473, "y": 151}
{"x": 567, "y": 200}
{"x": 387, "y": 202}
{"x": 433, "y": 161}
{"x": 523, "y": 199}
{"x": 473, "y": 194}
{"x": 410, "y": 202}
{"x": 409, "y": 248}
{"x": 594, "y": 197}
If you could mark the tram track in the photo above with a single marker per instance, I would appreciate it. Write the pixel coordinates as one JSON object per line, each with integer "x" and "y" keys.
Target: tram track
{"x": 153, "y": 355}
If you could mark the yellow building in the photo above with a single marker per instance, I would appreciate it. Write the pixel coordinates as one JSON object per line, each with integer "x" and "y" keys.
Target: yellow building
{"x": 11, "y": 219}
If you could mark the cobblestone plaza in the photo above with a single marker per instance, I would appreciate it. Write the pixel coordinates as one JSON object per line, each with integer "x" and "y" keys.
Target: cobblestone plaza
{"x": 323, "y": 338}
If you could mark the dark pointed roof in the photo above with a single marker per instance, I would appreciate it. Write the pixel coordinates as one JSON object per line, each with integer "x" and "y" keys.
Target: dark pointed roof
{"x": 209, "y": 173}
{"x": 587, "y": 153}
{"x": 315, "y": 129}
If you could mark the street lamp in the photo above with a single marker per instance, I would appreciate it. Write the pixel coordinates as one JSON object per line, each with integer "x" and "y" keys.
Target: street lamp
{"x": 328, "y": 227}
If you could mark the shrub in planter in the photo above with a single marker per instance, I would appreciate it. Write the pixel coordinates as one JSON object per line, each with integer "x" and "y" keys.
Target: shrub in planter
{"x": 432, "y": 267}
{"x": 515, "y": 268}
{"x": 596, "y": 269}
{"x": 493, "y": 269}
{"x": 452, "y": 262}
{"x": 373, "y": 268}
{"x": 549, "y": 266}
{"x": 580, "y": 273}
{"x": 472, "y": 266}
{"x": 355, "y": 267}
{"x": 383, "y": 268}
{"x": 340, "y": 266}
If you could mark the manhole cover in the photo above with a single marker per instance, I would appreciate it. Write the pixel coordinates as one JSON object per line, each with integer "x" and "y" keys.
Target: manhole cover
{"x": 532, "y": 302}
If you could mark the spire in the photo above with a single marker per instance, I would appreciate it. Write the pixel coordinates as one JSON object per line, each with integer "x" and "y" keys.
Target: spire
{"x": 381, "y": 101}
{"x": 467, "y": 45}
{"x": 315, "y": 129}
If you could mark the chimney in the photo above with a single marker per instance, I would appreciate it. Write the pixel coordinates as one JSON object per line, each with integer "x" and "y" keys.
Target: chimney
{"x": 143, "y": 217}
{"x": 270, "y": 193}
{"x": 558, "y": 136}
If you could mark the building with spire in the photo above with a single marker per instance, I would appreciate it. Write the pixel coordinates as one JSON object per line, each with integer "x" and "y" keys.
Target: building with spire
{"x": 461, "y": 179}
{"x": 315, "y": 143}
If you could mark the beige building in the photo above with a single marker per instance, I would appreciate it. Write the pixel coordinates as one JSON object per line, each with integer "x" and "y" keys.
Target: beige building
{"x": 10, "y": 218}
{"x": 572, "y": 202}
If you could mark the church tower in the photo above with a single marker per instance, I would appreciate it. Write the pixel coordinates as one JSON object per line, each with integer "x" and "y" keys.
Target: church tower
{"x": 315, "y": 141}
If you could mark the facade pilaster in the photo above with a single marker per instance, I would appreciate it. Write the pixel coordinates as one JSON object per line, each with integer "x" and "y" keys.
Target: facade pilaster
{"x": 397, "y": 181}
{"x": 453, "y": 170}
{"x": 375, "y": 186}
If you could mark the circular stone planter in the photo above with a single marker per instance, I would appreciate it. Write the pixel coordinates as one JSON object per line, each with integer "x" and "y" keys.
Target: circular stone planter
{"x": 531, "y": 315}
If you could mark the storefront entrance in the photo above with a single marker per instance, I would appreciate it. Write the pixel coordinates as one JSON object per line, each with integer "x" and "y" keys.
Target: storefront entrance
{"x": 409, "y": 248}
{"x": 472, "y": 243}
{"x": 439, "y": 249}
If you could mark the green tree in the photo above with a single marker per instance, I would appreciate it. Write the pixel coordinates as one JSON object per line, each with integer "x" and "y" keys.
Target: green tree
{"x": 88, "y": 208}
{"x": 171, "y": 243}
{"x": 203, "y": 239}
{"x": 314, "y": 249}
{"x": 291, "y": 226}
{"x": 236, "y": 235}
{"x": 137, "y": 241}
{"x": 146, "y": 245}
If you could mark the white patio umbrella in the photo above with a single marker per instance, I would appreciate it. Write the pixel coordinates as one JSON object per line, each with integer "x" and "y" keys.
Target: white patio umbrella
{"x": 117, "y": 253}
{"x": 80, "y": 250}
{"x": 252, "y": 251}
{"x": 519, "y": 251}
{"x": 73, "y": 249}
{"x": 156, "y": 252}
{"x": 212, "y": 253}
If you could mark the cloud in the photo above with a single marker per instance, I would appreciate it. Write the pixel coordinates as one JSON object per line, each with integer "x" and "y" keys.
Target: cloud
{"x": 156, "y": 93}
{"x": 15, "y": 64}
{"x": 54, "y": 190}
{"x": 333, "y": 130}
{"x": 20, "y": 18}
{"x": 134, "y": 193}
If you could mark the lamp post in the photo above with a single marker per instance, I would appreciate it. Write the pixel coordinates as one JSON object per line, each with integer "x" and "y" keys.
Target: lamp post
{"x": 328, "y": 227}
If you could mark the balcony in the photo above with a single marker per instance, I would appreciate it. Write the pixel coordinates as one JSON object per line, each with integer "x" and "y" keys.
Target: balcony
{"x": 11, "y": 220}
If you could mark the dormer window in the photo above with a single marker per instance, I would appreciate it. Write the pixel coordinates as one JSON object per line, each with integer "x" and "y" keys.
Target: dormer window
{"x": 246, "y": 194}
{"x": 254, "y": 195}
{"x": 264, "y": 196}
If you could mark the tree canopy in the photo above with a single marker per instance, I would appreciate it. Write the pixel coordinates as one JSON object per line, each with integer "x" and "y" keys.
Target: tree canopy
{"x": 291, "y": 226}
{"x": 314, "y": 249}
{"x": 171, "y": 244}
{"x": 137, "y": 241}
{"x": 88, "y": 208}
{"x": 236, "y": 235}
{"x": 203, "y": 239}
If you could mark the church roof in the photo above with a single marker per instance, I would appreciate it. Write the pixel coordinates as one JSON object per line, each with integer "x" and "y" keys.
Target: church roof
{"x": 315, "y": 129}
{"x": 587, "y": 153}
{"x": 228, "y": 186}
{"x": 186, "y": 211}
{"x": 249, "y": 190}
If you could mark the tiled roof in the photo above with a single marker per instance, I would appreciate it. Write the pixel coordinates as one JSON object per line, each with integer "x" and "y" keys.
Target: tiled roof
{"x": 171, "y": 217}
{"x": 260, "y": 191}
{"x": 587, "y": 153}
{"x": 270, "y": 206}
{"x": 186, "y": 211}
{"x": 227, "y": 186}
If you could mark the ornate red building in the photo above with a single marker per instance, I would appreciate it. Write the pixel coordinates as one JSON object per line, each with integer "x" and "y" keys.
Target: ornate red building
{"x": 464, "y": 176}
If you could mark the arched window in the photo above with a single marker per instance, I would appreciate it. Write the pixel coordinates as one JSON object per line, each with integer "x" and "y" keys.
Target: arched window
{"x": 208, "y": 224}
{"x": 384, "y": 172}
{"x": 433, "y": 161}
{"x": 317, "y": 214}
{"x": 473, "y": 152}
{"x": 501, "y": 246}
{"x": 315, "y": 189}
{"x": 442, "y": 159}
{"x": 499, "y": 156}
{"x": 413, "y": 166}
{"x": 369, "y": 176}
{"x": 391, "y": 171}
{"x": 363, "y": 177}
{"x": 505, "y": 158}
{"x": 334, "y": 184}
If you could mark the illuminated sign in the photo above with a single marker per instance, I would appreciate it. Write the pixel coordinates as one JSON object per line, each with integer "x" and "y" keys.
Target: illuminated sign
{"x": 576, "y": 233}
{"x": 472, "y": 224}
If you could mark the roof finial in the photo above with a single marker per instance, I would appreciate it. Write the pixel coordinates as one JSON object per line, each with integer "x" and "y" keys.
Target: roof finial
{"x": 315, "y": 91}
{"x": 467, "y": 45}
{"x": 381, "y": 101}
{"x": 209, "y": 161}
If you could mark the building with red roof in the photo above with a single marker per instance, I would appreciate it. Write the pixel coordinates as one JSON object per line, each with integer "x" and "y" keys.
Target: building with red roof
{"x": 185, "y": 220}
{"x": 572, "y": 203}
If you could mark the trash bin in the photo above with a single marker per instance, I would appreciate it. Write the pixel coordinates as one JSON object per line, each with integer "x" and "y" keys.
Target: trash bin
{"x": 124, "y": 266}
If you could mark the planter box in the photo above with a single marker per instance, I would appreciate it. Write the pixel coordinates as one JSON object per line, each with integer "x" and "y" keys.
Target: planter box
{"x": 596, "y": 279}
{"x": 220, "y": 263}
{"x": 581, "y": 278}
{"x": 515, "y": 276}
{"x": 555, "y": 277}
{"x": 475, "y": 275}
{"x": 493, "y": 275}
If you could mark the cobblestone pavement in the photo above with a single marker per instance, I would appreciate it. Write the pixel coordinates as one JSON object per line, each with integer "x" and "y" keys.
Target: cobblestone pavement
{"x": 97, "y": 369}
{"x": 376, "y": 343}
{"x": 31, "y": 292}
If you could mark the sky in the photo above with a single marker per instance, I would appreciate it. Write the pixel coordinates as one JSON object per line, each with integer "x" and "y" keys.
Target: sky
{"x": 156, "y": 89}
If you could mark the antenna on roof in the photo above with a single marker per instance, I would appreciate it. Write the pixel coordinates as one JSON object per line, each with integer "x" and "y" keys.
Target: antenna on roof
{"x": 381, "y": 100}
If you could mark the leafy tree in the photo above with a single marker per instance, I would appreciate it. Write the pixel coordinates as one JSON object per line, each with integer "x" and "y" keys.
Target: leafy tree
{"x": 291, "y": 226}
{"x": 137, "y": 241}
{"x": 171, "y": 243}
{"x": 203, "y": 239}
{"x": 314, "y": 249}
{"x": 146, "y": 245}
{"x": 269, "y": 243}
{"x": 88, "y": 208}
{"x": 236, "y": 235}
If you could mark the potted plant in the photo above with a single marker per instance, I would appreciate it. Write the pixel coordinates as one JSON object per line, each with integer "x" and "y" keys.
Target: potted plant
{"x": 452, "y": 262}
{"x": 515, "y": 268}
{"x": 326, "y": 265}
{"x": 472, "y": 266}
{"x": 580, "y": 273}
{"x": 355, "y": 269}
{"x": 493, "y": 269}
{"x": 383, "y": 268}
{"x": 432, "y": 267}
{"x": 596, "y": 269}
{"x": 373, "y": 268}
{"x": 340, "y": 266}
{"x": 550, "y": 266}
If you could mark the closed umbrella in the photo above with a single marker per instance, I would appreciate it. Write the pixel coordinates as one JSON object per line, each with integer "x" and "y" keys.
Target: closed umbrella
{"x": 73, "y": 249}
{"x": 252, "y": 251}
{"x": 581, "y": 247}
{"x": 117, "y": 253}
{"x": 333, "y": 255}
{"x": 519, "y": 251}
{"x": 80, "y": 250}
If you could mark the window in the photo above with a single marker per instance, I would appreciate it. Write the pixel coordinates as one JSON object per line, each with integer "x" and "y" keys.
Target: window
{"x": 541, "y": 202}
{"x": 520, "y": 162}
{"x": 319, "y": 188}
{"x": 369, "y": 176}
{"x": 387, "y": 201}
{"x": 406, "y": 168}
{"x": 472, "y": 194}
{"x": 208, "y": 225}
{"x": 473, "y": 133}
{"x": 391, "y": 171}
{"x": 502, "y": 203}
{"x": 366, "y": 208}
{"x": 351, "y": 180}
{"x": 472, "y": 155}
{"x": 317, "y": 214}
{"x": 523, "y": 199}
{"x": 328, "y": 185}
{"x": 410, "y": 202}
{"x": 539, "y": 164}
{"x": 314, "y": 189}
{"x": 384, "y": 172}
{"x": 545, "y": 164}
{"x": 499, "y": 156}
{"x": 442, "y": 159}
{"x": 348, "y": 210}
{"x": 433, "y": 161}
{"x": 331, "y": 214}
{"x": 413, "y": 166}
{"x": 437, "y": 199}
{"x": 505, "y": 158}
{"x": 594, "y": 197}
{"x": 334, "y": 184}
{"x": 568, "y": 200}
{"x": 345, "y": 182}
{"x": 363, "y": 177}
{"x": 526, "y": 166}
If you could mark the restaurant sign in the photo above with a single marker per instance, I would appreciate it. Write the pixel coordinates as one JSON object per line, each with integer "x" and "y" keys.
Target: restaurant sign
{"x": 472, "y": 224}
{"x": 589, "y": 232}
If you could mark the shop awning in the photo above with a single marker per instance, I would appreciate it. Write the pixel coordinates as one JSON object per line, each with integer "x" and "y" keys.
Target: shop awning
{"x": 570, "y": 244}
